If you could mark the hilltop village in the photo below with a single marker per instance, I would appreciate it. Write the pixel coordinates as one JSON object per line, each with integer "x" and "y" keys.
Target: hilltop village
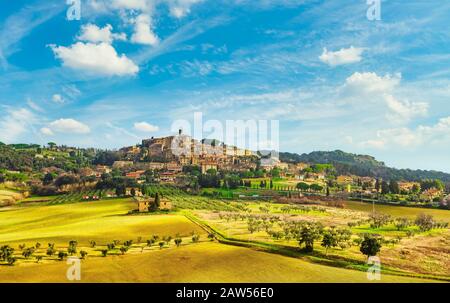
{"x": 192, "y": 165}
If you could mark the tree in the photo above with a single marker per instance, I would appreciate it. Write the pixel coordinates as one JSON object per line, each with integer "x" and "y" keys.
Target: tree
{"x": 11, "y": 261}
{"x": 370, "y": 245}
{"x": 104, "y": 252}
{"x": 62, "y": 255}
{"x": 316, "y": 187}
{"x": 415, "y": 188}
{"x": 195, "y": 238}
{"x": 402, "y": 223}
{"x": 378, "y": 220}
{"x": 72, "y": 249}
{"x": 157, "y": 201}
{"x": 151, "y": 241}
{"x": 83, "y": 254}
{"x": 178, "y": 241}
{"x": 66, "y": 180}
{"x": 384, "y": 188}
{"x": 51, "y": 145}
{"x": 48, "y": 178}
{"x": 309, "y": 232}
{"x": 328, "y": 191}
{"x": 424, "y": 222}
{"x": 6, "y": 252}
{"x": 432, "y": 183}
{"x": 394, "y": 187}
{"x": 329, "y": 240}
{"x": 28, "y": 252}
{"x": 302, "y": 186}
{"x": 50, "y": 249}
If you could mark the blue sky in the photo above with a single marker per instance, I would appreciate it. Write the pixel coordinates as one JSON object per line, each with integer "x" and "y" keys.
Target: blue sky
{"x": 332, "y": 78}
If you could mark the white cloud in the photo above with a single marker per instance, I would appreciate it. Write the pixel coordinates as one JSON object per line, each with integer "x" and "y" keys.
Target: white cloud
{"x": 342, "y": 56}
{"x": 145, "y": 127}
{"x": 370, "y": 83}
{"x": 46, "y": 131}
{"x": 15, "y": 123}
{"x": 407, "y": 138}
{"x": 68, "y": 126}
{"x": 57, "y": 98}
{"x": 34, "y": 106}
{"x": 180, "y": 8}
{"x": 93, "y": 33}
{"x": 403, "y": 111}
{"x": 143, "y": 32}
{"x": 131, "y": 4}
{"x": 101, "y": 59}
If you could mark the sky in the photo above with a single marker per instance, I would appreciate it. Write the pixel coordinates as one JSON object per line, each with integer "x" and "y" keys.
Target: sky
{"x": 109, "y": 73}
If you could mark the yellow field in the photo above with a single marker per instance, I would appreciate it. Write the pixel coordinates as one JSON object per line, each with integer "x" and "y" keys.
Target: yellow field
{"x": 101, "y": 221}
{"x": 203, "y": 262}
{"x": 400, "y": 211}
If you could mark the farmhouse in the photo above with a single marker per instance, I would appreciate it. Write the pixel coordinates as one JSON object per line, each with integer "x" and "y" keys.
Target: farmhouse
{"x": 430, "y": 194}
{"x": 165, "y": 205}
{"x": 135, "y": 174}
{"x": 144, "y": 204}
{"x": 408, "y": 186}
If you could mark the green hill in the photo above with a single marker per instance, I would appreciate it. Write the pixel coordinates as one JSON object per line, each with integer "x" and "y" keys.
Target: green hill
{"x": 362, "y": 165}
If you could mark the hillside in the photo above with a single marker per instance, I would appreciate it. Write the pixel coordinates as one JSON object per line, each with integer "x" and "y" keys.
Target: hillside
{"x": 362, "y": 165}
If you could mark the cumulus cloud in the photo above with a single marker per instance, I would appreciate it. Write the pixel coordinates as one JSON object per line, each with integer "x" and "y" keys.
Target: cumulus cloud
{"x": 404, "y": 111}
{"x": 14, "y": 123}
{"x": 180, "y": 8}
{"x": 342, "y": 56}
{"x": 406, "y": 137}
{"x": 100, "y": 59}
{"x": 67, "y": 126}
{"x": 370, "y": 83}
{"x": 46, "y": 131}
{"x": 371, "y": 87}
{"x": 143, "y": 32}
{"x": 145, "y": 127}
{"x": 93, "y": 33}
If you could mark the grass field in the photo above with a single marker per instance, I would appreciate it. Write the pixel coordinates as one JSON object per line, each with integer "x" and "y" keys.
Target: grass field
{"x": 399, "y": 211}
{"x": 101, "y": 221}
{"x": 107, "y": 220}
{"x": 204, "y": 262}
{"x": 430, "y": 247}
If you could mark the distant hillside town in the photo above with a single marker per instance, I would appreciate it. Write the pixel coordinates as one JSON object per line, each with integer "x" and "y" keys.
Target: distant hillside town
{"x": 193, "y": 165}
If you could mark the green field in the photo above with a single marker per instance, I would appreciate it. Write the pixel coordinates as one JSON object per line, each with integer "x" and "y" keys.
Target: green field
{"x": 108, "y": 220}
{"x": 399, "y": 211}
{"x": 101, "y": 221}
{"x": 204, "y": 262}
